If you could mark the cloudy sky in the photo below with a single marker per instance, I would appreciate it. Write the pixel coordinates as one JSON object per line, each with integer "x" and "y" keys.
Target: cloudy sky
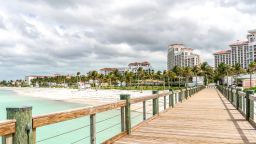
{"x": 66, "y": 36}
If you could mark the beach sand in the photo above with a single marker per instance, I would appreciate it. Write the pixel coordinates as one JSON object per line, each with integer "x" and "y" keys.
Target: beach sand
{"x": 90, "y": 96}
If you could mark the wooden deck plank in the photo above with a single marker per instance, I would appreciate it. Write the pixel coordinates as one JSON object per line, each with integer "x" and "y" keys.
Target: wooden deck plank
{"x": 207, "y": 117}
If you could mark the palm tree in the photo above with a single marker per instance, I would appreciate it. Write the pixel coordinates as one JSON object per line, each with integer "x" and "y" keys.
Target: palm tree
{"x": 224, "y": 70}
{"x": 178, "y": 71}
{"x": 151, "y": 75}
{"x": 187, "y": 73}
{"x": 237, "y": 70}
{"x": 121, "y": 79}
{"x": 115, "y": 77}
{"x": 164, "y": 76}
{"x": 128, "y": 78}
{"x": 100, "y": 79}
{"x": 196, "y": 70}
{"x": 171, "y": 76}
{"x": 93, "y": 75}
{"x": 141, "y": 76}
{"x": 206, "y": 71}
{"x": 78, "y": 74}
{"x": 250, "y": 70}
{"x": 220, "y": 72}
{"x": 108, "y": 78}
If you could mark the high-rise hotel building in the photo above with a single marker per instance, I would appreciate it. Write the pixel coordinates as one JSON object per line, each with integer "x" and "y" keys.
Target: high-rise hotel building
{"x": 242, "y": 52}
{"x": 223, "y": 56}
{"x": 251, "y": 36}
{"x": 179, "y": 55}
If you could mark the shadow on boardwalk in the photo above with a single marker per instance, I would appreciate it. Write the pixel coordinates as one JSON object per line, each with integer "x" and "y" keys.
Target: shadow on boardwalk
{"x": 206, "y": 117}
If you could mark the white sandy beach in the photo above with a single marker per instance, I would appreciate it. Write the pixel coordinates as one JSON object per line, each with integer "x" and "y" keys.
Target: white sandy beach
{"x": 89, "y": 96}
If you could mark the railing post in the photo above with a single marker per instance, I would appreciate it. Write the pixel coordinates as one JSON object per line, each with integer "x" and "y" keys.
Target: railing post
{"x": 171, "y": 100}
{"x": 231, "y": 99}
{"x": 224, "y": 91}
{"x": 186, "y": 93}
{"x": 155, "y": 104}
{"x": 23, "y": 116}
{"x": 93, "y": 129}
{"x": 248, "y": 93}
{"x": 144, "y": 110}
{"x": 34, "y": 135}
{"x": 228, "y": 93}
{"x": 175, "y": 98}
{"x": 8, "y": 139}
{"x": 252, "y": 109}
{"x": 122, "y": 118}
{"x": 127, "y": 97}
{"x": 181, "y": 95}
{"x": 164, "y": 102}
{"x": 237, "y": 98}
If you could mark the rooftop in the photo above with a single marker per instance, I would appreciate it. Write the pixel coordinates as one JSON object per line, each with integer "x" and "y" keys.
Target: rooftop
{"x": 39, "y": 76}
{"x": 222, "y": 52}
{"x": 108, "y": 69}
{"x": 176, "y": 44}
{"x": 188, "y": 49}
{"x": 145, "y": 63}
{"x": 252, "y": 31}
{"x": 239, "y": 42}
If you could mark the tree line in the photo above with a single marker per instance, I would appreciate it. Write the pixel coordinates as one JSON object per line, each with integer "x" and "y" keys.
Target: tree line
{"x": 178, "y": 76}
{"x": 225, "y": 70}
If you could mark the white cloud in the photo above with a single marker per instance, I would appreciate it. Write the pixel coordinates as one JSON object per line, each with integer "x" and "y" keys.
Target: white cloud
{"x": 45, "y": 36}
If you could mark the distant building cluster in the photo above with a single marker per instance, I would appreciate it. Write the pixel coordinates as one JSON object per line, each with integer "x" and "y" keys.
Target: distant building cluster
{"x": 29, "y": 78}
{"x": 132, "y": 67}
{"x": 241, "y": 51}
{"x": 179, "y": 55}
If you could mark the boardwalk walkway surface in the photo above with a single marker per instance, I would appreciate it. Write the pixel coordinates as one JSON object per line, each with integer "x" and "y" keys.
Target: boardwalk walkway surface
{"x": 205, "y": 118}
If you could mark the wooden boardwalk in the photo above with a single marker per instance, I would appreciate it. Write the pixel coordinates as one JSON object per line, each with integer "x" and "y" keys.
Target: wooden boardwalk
{"x": 205, "y": 118}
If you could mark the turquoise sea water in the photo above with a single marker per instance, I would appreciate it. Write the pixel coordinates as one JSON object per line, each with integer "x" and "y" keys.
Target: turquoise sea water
{"x": 68, "y": 132}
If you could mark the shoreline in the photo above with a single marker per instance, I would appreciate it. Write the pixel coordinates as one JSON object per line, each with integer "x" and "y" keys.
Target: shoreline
{"x": 90, "y": 97}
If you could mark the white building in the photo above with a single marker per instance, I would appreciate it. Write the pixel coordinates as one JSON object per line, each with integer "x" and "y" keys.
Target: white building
{"x": 223, "y": 56}
{"x": 133, "y": 67}
{"x": 251, "y": 36}
{"x": 242, "y": 52}
{"x": 198, "y": 80}
{"x": 239, "y": 53}
{"x": 179, "y": 55}
{"x": 29, "y": 78}
{"x": 122, "y": 70}
{"x": 229, "y": 80}
{"x": 106, "y": 71}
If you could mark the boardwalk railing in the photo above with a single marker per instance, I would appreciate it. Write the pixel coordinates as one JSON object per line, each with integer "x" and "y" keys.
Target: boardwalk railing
{"x": 243, "y": 101}
{"x": 21, "y": 128}
{"x": 7, "y": 129}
